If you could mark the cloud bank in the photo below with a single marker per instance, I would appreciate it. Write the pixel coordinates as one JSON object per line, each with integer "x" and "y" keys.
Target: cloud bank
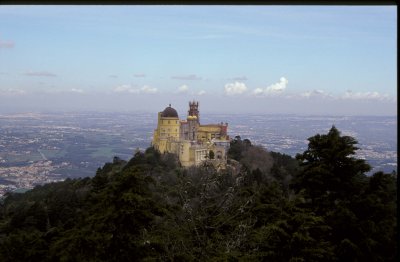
{"x": 40, "y": 73}
{"x": 12, "y": 91}
{"x": 348, "y": 95}
{"x": 273, "y": 89}
{"x": 364, "y": 96}
{"x": 76, "y": 90}
{"x": 183, "y": 89}
{"x": 236, "y": 88}
{"x": 187, "y": 77}
{"x": 315, "y": 93}
{"x": 133, "y": 90}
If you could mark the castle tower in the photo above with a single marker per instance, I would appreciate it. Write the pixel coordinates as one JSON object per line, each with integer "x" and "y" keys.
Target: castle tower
{"x": 194, "y": 110}
{"x": 167, "y": 130}
{"x": 193, "y": 120}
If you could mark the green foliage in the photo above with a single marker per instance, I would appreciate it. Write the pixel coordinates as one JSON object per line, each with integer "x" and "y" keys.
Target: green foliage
{"x": 237, "y": 147}
{"x": 318, "y": 207}
{"x": 352, "y": 204}
{"x": 330, "y": 172}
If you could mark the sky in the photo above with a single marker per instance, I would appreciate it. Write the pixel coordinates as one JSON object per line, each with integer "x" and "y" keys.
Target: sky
{"x": 314, "y": 60}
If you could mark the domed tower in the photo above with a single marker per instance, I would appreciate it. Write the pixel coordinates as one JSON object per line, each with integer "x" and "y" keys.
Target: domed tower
{"x": 169, "y": 112}
{"x": 167, "y": 129}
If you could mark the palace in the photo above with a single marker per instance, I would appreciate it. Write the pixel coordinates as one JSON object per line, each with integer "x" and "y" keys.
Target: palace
{"x": 192, "y": 142}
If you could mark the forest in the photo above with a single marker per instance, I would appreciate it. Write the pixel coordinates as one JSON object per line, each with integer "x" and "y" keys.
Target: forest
{"x": 265, "y": 206}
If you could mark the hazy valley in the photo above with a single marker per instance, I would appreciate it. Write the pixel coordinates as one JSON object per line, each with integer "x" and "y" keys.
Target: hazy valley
{"x": 40, "y": 148}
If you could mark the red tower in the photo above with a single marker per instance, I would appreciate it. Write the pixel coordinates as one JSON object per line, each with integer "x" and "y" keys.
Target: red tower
{"x": 194, "y": 110}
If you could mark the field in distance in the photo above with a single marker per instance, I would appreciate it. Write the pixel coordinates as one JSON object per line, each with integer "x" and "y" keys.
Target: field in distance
{"x": 40, "y": 148}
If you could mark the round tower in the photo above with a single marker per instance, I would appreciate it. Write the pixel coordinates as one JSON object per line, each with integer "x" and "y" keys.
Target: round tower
{"x": 167, "y": 129}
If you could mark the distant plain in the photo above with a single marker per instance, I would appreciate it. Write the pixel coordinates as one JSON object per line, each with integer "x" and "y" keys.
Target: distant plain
{"x": 79, "y": 143}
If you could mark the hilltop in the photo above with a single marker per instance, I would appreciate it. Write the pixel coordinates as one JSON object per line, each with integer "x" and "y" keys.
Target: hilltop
{"x": 319, "y": 206}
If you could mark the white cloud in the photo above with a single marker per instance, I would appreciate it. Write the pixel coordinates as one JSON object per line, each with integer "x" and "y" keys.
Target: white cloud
{"x": 133, "y": 90}
{"x": 278, "y": 87}
{"x": 258, "y": 91}
{"x": 122, "y": 88}
{"x": 314, "y": 93}
{"x": 148, "y": 90}
{"x": 365, "y": 96}
{"x": 348, "y": 95}
{"x": 236, "y": 88}
{"x": 273, "y": 89}
{"x": 201, "y": 92}
{"x": 183, "y": 89}
{"x": 75, "y": 90}
{"x": 12, "y": 91}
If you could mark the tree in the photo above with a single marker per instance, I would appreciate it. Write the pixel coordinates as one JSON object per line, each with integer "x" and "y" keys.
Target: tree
{"x": 150, "y": 209}
{"x": 359, "y": 209}
{"x": 330, "y": 172}
{"x": 256, "y": 157}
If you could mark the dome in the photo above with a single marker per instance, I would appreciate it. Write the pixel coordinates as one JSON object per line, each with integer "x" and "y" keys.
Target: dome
{"x": 169, "y": 112}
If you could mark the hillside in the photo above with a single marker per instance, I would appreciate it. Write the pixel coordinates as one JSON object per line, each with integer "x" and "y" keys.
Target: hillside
{"x": 265, "y": 206}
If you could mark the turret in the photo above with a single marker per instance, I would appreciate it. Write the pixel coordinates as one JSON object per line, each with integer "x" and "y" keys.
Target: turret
{"x": 194, "y": 111}
{"x": 193, "y": 120}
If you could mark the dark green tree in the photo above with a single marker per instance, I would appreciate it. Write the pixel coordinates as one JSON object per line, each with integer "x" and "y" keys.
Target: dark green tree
{"x": 330, "y": 172}
{"x": 359, "y": 209}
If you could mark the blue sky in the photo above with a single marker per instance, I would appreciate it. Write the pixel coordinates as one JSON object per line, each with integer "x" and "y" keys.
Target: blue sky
{"x": 250, "y": 59}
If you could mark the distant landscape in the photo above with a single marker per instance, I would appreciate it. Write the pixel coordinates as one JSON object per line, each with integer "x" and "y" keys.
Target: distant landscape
{"x": 38, "y": 148}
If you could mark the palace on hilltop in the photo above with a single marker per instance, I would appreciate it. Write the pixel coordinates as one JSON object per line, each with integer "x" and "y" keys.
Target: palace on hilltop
{"x": 192, "y": 142}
